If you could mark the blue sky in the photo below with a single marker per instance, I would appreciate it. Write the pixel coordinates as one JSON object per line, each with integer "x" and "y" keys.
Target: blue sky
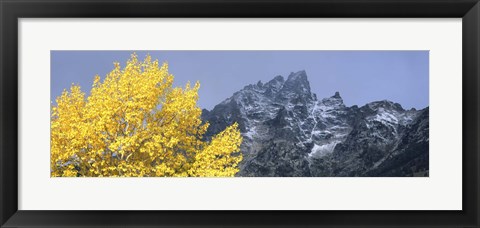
{"x": 359, "y": 76}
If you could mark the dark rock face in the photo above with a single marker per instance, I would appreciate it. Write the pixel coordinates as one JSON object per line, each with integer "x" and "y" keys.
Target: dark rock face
{"x": 288, "y": 132}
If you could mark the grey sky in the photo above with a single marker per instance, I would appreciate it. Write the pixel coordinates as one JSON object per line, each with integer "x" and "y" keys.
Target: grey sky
{"x": 359, "y": 76}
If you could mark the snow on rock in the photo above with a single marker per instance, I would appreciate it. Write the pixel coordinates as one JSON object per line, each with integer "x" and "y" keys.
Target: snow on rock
{"x": 322, "y": 150}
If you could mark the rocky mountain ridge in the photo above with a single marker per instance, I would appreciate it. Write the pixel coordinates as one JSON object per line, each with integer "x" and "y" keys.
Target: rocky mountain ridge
{"x": 289, "y": 132}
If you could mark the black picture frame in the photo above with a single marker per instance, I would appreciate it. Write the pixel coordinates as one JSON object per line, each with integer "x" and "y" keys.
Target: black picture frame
{"x": 12, "y": 10}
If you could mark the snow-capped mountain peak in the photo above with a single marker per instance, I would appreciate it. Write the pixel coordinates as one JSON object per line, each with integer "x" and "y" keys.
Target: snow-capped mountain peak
{"x": 289, "y": 132}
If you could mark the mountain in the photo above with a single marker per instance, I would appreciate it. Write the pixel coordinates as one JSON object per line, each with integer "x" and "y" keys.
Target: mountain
{"x": 288, "y": 132}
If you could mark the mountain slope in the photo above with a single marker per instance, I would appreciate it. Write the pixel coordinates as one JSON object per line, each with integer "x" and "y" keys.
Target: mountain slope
{"x": 289, "y": 132}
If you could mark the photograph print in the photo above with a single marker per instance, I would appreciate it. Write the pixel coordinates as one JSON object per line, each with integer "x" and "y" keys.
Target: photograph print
{"x": 237, "y": 113}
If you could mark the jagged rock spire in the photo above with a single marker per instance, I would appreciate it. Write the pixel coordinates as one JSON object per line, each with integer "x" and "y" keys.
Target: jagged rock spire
{"x": 337, "y": 95}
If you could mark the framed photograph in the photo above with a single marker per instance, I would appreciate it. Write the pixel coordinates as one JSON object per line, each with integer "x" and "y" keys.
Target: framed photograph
{"x": 239, "y": 113}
